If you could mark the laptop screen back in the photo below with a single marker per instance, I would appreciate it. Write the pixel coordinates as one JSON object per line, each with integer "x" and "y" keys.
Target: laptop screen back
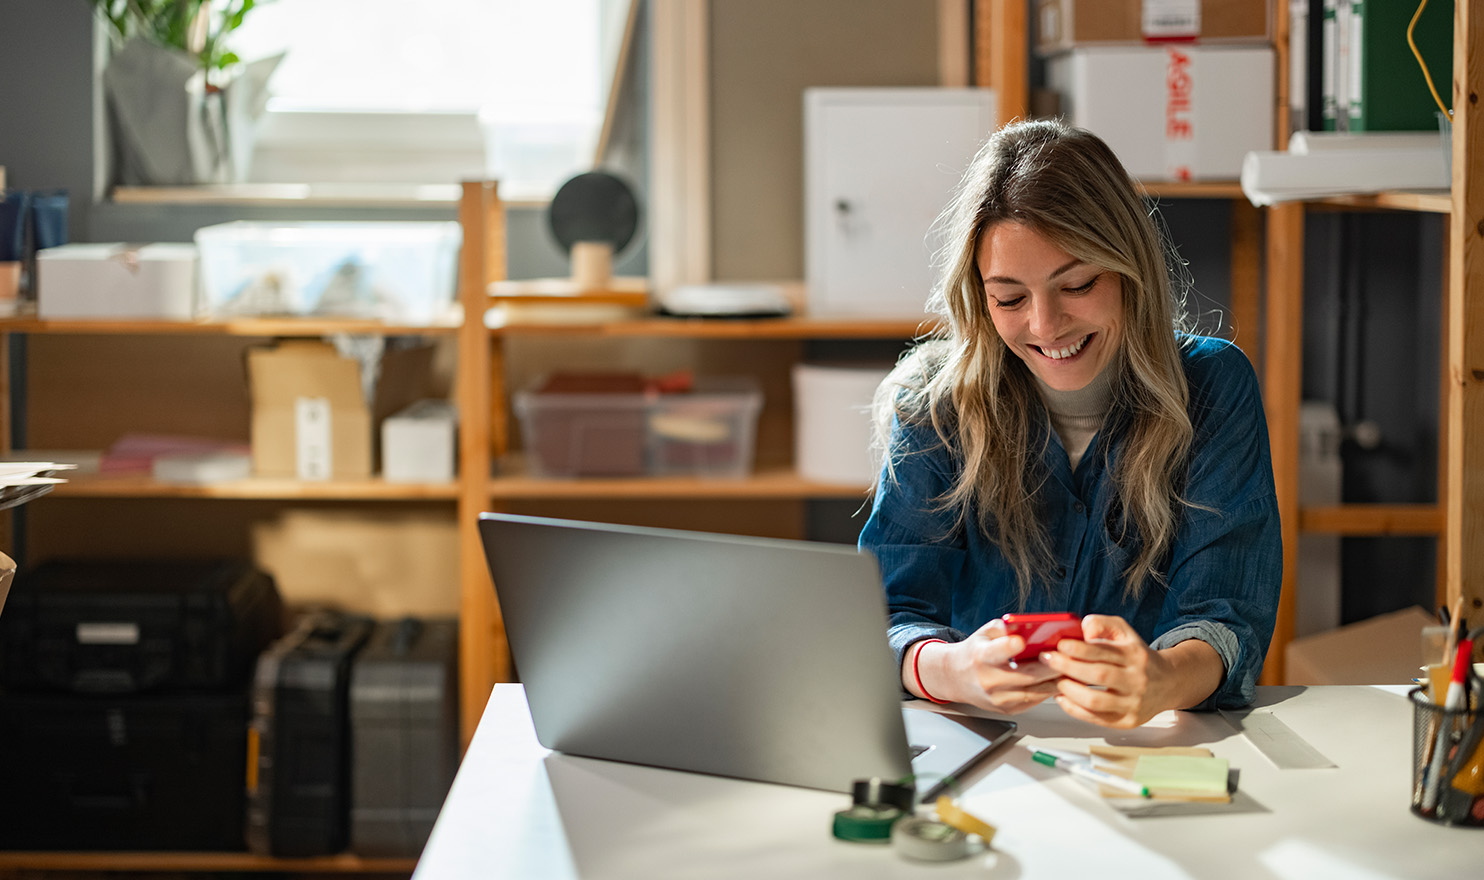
{"x": 754, "y": 658}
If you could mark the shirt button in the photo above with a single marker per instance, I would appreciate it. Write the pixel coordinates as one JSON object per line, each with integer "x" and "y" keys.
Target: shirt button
{"x": 1061, "y": 571}
{"x": 1079, "y": 507}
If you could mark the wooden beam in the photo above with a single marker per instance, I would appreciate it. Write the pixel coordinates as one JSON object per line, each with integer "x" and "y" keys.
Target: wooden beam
{"x": 1282, "y": 389}
{"x": 484, "y": 654}
{"x": 1465, "y": 313}
{"x": 953, "y": 43}
{"x": 1372, "y": 519}
{"x": 1000, "y": 57}
{"x": 1246, "y": 278}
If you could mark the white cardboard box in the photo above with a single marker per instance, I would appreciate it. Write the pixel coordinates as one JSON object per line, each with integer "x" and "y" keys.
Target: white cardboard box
{"x": 116, "y": 281}
{"x": 1172, "y": 112}
{"x": 832, "y": 422}
{"x": 418, "y": 443}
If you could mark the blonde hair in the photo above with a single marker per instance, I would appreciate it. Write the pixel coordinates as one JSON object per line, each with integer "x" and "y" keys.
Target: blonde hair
{"x": 1066, "y": 185}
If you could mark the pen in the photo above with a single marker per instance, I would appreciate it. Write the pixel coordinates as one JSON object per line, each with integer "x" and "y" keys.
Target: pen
{"x": 1457, "y": 699}
{"x": 1080, "y": 766}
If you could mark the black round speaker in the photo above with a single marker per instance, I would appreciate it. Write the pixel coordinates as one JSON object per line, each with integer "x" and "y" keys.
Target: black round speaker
{"x": 594, "y": 206}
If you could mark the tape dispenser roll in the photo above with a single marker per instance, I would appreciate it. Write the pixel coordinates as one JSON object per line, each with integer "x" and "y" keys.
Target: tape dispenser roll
{"x": 866, "y": 823}
{"x": 876, "y": 805}
{"x": 928, "y": 840}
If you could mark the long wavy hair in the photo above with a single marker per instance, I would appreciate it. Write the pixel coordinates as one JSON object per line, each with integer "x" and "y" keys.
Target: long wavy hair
{"x": 1065, "y": 184}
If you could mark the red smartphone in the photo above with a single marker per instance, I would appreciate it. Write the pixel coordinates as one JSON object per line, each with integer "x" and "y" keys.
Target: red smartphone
{"x": 1042, "y": 631}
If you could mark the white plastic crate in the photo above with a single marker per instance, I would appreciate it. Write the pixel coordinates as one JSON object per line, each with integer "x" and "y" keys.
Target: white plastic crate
{"x": 391, "y": 271}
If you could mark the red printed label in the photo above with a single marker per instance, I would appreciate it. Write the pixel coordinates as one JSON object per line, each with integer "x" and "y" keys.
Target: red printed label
{"x": 1180, "y": 129}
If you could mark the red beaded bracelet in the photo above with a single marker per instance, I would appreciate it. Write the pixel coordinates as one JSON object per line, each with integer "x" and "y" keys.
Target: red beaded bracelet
{"x": 917, "y": 673}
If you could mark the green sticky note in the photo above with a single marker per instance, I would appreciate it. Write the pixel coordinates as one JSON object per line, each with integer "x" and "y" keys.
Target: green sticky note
{"x": 1183, "y": 773}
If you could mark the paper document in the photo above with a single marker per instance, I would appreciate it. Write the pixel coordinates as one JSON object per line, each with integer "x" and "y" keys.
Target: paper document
{"x": 20, "y": 481}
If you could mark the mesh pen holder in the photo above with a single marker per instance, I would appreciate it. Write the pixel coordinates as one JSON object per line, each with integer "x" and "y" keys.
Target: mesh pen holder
{"x": 1448, "y": 755}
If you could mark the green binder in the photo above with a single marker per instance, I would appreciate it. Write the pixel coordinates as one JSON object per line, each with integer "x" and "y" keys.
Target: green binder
{"x": 1387, "y": 91}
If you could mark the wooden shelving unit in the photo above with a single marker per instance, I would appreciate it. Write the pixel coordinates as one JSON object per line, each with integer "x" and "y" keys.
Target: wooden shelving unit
{"x": 1458, "y": 517}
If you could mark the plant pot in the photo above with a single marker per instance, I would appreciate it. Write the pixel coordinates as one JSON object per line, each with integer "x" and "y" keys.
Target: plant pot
{"x": 169, "y": 128}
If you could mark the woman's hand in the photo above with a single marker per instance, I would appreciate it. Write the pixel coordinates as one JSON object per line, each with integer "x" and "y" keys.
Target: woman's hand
{"x": 977, "y": 671}
{"x": 1113, "y": 678}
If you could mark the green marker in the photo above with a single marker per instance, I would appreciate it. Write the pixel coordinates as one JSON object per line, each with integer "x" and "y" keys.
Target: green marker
{"x": 1079, "y": 766}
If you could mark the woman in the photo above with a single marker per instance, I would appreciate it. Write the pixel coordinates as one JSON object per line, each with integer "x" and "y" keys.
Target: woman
{"x": 1067, "y": 446}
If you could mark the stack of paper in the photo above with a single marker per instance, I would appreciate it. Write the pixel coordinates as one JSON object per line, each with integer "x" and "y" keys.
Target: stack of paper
{"x": 20, "y": 481}
{"x": 1319, "y": 164}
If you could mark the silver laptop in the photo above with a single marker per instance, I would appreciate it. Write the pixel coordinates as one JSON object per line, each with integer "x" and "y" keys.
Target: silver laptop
{"x": 754, "y": 658}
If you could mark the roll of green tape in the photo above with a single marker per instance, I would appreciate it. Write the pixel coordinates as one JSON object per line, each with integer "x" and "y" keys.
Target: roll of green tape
{"x": 866, "y": 823}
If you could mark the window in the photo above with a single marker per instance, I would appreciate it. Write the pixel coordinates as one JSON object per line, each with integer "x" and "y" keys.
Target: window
{"x": 383, "y": 91}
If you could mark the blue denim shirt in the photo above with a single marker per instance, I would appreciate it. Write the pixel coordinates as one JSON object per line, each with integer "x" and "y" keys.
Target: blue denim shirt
{"x": 1223, "y": 572}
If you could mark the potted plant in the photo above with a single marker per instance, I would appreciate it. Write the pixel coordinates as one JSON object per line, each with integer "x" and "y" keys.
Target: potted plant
{"x": 181, "y": 104}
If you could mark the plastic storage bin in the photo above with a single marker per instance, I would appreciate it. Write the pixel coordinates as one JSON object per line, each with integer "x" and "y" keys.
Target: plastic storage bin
{"x": 708, "y": 432}
{"x": 399, "y": 272}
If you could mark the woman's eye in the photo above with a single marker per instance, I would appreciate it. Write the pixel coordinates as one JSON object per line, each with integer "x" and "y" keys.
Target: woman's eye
{"x": 1083, "y": 288}
{"x": 1008, "y": 302}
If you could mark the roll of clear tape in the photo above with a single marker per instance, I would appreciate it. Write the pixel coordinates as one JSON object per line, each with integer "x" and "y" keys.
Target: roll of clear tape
{"x": 928, "y": 840}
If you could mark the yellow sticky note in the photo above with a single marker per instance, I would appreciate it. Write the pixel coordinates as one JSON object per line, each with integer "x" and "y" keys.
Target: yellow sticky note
{"x": 1182, "y": 773}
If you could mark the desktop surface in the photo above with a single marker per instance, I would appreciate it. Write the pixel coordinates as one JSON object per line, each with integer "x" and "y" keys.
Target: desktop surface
{"x": 519, "y": 810}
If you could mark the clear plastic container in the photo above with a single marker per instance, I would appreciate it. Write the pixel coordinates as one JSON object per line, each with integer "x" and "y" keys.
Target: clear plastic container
{"x": 709, "y": 432}
{"x": 401, "y": 272}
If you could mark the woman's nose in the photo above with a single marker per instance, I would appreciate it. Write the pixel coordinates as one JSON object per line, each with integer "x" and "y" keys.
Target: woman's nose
{"x": 1045, "y": 317}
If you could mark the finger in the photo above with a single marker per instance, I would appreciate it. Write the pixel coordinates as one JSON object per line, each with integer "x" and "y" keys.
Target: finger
{"x": 1108, "y": 628}
{"x": 1021, "y": 674}
{"x": 1001, "y": 650}
{"x": 1095, "y": 652}
{"x": 1102, "y": 674}
{"x": 1093, "y": 699}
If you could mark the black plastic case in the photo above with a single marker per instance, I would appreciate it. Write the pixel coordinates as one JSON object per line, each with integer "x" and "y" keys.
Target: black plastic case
{"x": 137, "y": 626}
{"x": 404, "y": 734}
{"x": 133, "y": 772}
{"x": 298, "y": 775}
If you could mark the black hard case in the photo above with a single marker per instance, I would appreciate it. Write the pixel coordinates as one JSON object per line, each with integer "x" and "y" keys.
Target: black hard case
{"x": 404, "y": 734}
{"x": 298, "y": 777}
{"x": 134, "y": 772}
{"x": 137, "y": 626}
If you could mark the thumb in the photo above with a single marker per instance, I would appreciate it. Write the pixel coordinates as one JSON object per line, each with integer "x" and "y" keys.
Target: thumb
{"x": 1106, "y": 628}
{"x": 1001, "y": 647}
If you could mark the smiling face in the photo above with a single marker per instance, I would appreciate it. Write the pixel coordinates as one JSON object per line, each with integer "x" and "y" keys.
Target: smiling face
{"x": 1061, "y": 316}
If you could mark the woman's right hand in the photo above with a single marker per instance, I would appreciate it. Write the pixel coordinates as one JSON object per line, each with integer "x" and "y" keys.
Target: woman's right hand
{"x": 978, "y": 671}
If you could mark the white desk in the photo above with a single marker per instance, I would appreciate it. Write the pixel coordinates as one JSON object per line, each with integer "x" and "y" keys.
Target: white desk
{"x": 518, "y": 810}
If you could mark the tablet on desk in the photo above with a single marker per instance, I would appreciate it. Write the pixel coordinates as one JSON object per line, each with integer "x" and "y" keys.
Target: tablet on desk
{"x": 755, "y": 658}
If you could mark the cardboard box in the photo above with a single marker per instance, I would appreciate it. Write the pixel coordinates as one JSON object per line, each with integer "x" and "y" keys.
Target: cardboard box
{"x": 1387, "y": 649}
{"x": 1174, "y": 112}
{"x": 418, "y": 443}
{"x": 1071, "y": 24}
{"x": 116, "y": 281}
{"x": 310, "y": 415}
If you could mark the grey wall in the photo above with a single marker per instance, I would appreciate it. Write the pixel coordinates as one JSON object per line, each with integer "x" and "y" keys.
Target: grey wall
{"x": 764, "y": 53}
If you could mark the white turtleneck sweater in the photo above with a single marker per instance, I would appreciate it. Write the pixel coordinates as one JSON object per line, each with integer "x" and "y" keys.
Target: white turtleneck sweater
{"x": 1077, "y": 415}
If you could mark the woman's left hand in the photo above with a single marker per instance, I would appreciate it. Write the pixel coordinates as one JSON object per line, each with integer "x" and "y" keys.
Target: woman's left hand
{"x": 1113, "y": 678}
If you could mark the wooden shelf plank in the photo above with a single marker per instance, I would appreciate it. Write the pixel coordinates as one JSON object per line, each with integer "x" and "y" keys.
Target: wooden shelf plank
{"x": 621, "y": 291}
{"x": 800, "y": 327}
{"x": 344, "y": 863}
{"x": 765, "y": 484}
{"x": 243, "y": 327}
{"x": 1210, "y": 189}
{"x": 1426, "y": 202}
{"x": 1373, "y": 519}
{"x": 254, "y": 488}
